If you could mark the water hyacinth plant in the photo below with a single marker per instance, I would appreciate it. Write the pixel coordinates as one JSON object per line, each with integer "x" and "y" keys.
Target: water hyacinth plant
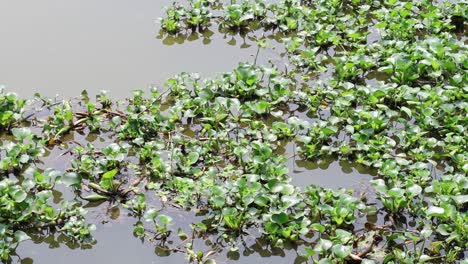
{"x": 379, "y": 83}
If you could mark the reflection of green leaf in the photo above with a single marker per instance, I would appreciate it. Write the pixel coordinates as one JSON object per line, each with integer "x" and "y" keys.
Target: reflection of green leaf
{"x": 182, "y": 235}
{"x": 139, "y": 229}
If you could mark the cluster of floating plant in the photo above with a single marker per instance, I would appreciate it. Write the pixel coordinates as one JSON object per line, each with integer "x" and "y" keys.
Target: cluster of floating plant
{"x": 210, "y": 146}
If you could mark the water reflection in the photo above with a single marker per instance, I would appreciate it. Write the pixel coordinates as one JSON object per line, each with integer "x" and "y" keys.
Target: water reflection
{"x": 56, "y": 47}
{"x": 331, "y": 173}
{"x": 87, "y": 45}
{"x": 231, "y": 37}
{"x": 115, "y": 244}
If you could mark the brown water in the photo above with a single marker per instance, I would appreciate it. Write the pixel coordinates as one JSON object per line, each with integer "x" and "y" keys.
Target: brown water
{"x": 62, "y": 47}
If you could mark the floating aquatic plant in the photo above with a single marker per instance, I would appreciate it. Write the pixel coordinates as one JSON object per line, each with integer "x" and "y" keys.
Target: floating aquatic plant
{"x": 212, "y": 146}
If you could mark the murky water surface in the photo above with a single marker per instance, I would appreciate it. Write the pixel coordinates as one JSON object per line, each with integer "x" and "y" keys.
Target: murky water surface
{"x": 62, "y": 47}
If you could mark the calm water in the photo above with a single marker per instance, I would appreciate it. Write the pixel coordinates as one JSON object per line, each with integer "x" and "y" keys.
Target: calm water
{"x": 116, "y": 244}
{"x": 62, "y": 47}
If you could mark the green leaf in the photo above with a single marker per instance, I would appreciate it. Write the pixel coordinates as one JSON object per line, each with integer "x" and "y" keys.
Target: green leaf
{"x": 165, "y": 219}
{"x": 323, "y": 245}
{"x": 281, "y": 218}
{"x": 218, "y": 201}
{"x": 110, "y": 174}
{"x": 379, "y": 185}
{"x": 330, "y": 130}
{"x": 261, "y": 201}
{"x": 24, "y": 158}
{"x": 150, "y": 215}
{"x": 342, "y": 235}
{"x": 460, "y": 199}
{"x": 71, "y": 178}
{"x": 319, "y": 227}
{"x": 341, "y": 251}
{"x": 435, "y": 211}
{"x": 229, "y": 211}
{"x": 107, "y": 179}
{"x": 414, "y": 190}
{"x": 192, "y": 158}
{"x": 262, "y": 107}
{"x": 22, "y": 133}
{"x": 271, "y": 228}
{"x": 359, "y": 137}
{"x": 95, "y": 198}
{"x": 19, "y": 195}
{"x": 206, "y": 94}
{"x": 444, "y": 229}
{"x": 246, "y": 73}
{"x": 290, "y": 200}
{"x": 407, "y": 111}
{"x": 275, "y": 186}
{"x": 27, "y": 184}
{"x": 396, "y": 193}
{"x": 21, "y": 236}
